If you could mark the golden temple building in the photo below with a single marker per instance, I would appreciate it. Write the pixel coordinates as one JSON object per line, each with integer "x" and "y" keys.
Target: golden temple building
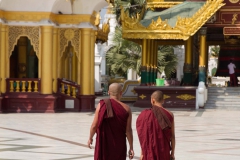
{"x": 47, "y": 54}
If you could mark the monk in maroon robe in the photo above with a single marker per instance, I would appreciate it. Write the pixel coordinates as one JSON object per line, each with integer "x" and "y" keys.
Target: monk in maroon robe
{"x": 155, "y": 128}
{"x": 112, "y": 123}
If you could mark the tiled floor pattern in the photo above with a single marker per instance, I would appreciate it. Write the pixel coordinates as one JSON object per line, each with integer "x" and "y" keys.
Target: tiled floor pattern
{"x": 212, "y": 134}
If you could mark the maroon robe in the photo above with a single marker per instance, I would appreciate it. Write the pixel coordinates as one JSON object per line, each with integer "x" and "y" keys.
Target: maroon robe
{"x": 154, "y": 133}
{"x": 111, "y": 133}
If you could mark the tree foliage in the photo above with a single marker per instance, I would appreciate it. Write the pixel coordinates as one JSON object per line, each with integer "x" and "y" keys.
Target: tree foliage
{"x": 124, "y": 55}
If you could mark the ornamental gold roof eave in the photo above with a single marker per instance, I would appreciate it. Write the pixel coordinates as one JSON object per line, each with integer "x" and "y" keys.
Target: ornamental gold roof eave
{"x": 185, "y": 27}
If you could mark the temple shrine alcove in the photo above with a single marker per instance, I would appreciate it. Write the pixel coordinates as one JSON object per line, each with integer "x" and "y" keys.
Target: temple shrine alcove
{"x": 23, "y": 60}
{"x": 68, "y": 62}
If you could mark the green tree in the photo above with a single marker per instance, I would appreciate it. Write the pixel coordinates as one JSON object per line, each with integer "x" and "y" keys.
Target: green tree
{"x": 124, "y": 55}
{"x": 167, "y": 60}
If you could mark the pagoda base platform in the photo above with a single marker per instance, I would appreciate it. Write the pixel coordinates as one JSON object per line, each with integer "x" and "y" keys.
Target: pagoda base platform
{"x": 174, "y": 96}
{"x": 28, "y": 103}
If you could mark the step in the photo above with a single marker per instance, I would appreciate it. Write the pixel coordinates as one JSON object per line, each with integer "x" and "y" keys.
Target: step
{"x": 223, "y": 97}
{"x": 223, "y": 103}
{"x": 222, "y": 106}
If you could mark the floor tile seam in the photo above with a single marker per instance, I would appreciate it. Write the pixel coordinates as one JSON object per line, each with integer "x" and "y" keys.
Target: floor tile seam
{"x": 45, "y": 136}
{"x": 196, "y": 141}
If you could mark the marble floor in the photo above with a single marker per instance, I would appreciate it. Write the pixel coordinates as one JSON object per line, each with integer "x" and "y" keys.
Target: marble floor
{"x": 205, "y": 134}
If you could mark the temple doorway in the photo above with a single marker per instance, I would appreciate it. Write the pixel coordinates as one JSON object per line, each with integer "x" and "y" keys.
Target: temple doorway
{"x": 23, "y": 60}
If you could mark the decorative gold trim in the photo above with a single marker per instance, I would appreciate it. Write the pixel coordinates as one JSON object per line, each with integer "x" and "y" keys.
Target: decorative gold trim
{"x": 186, "y": 97}
{"x": 185, "y": 27}
{"x": 166, "y": 96}
{"x": 128, "y": 99}
{"x": 142, "y": 96}
{"x": 161, "y": 4}
{"x": 72, "y": 37}
{"x": 38, "y": 16}
{"x": 126, "y": 84}
{"x": 15, "y": 32}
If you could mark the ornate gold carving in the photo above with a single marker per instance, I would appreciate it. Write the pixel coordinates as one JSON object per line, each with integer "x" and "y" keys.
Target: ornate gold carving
{"x": 185, "y": 27}
{"x": 74, "y": 34}
{"x": 161, "y": 4}
{"x": 69, "y": 34}
{"x": 142, "y": 96}
{"x": 165, "y": 96}
{"x": 186, "y": 97}
{"x": 235, "y": 17}
{"x": 15, "y": 32}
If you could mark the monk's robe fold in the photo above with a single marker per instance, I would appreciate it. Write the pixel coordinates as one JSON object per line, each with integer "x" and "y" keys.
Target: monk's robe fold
{"x": 111, "y": 133}
{"x": 154, "y": 133}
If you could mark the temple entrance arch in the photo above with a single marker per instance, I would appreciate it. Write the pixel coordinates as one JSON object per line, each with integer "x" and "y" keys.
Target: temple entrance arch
{"x": 69, "y": 63}
{"x": 23, "y": 60}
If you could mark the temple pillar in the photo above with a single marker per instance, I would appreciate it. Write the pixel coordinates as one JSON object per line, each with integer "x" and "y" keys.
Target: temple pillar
{"x": 187, "y": 68}
{"x": 22, "y": 56}
{"x": 74, "y": 66}
{"x": 202, "y": 55}
{"x": 3, "y": 55}
{"x": 87, "y": 97}
{"x": 54, "y": 59}
{"x": 46, "y": 59}
{"x": 155, "y": 62}
{"x": 92, "y": 79}
{"x": 149, "y": 50}
{"x": 144, "y": 63}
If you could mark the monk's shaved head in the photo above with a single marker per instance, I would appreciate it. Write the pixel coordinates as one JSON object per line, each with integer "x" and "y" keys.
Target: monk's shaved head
{"x": 157, "y": 96}
{"x": 115, "y": 89}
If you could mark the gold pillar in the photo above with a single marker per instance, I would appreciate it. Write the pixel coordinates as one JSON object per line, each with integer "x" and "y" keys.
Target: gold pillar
{"x": 155, "y": 54}
{"x": 203, "y": 53}
{"x": 3, "y": 55}
{"x": 74, "y": 66}
{"x": 46, "y": 59}
{"x": 86, "y": 63}
{"x": 55, "y": 58}
{"x": 22, "y": 55}
{"x": 144, "y": 52}
{"x": 188, "y": 51}
{"x": 148, "y": 52}
{"x": 152, "y": 53}
{"x": 92, "y": 62}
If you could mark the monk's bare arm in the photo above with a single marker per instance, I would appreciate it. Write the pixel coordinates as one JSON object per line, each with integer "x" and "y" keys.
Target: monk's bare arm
{"x": 94, "y": 126}
{"x": 129, "y": 134}
{"x": 173, "y": 140}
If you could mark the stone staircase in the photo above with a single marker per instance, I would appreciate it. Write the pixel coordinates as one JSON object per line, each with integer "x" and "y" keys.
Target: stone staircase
{"x": 223, "y": 98}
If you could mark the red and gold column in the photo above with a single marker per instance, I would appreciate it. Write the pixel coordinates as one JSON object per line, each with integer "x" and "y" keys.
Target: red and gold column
{"x": 46, "y": 59}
